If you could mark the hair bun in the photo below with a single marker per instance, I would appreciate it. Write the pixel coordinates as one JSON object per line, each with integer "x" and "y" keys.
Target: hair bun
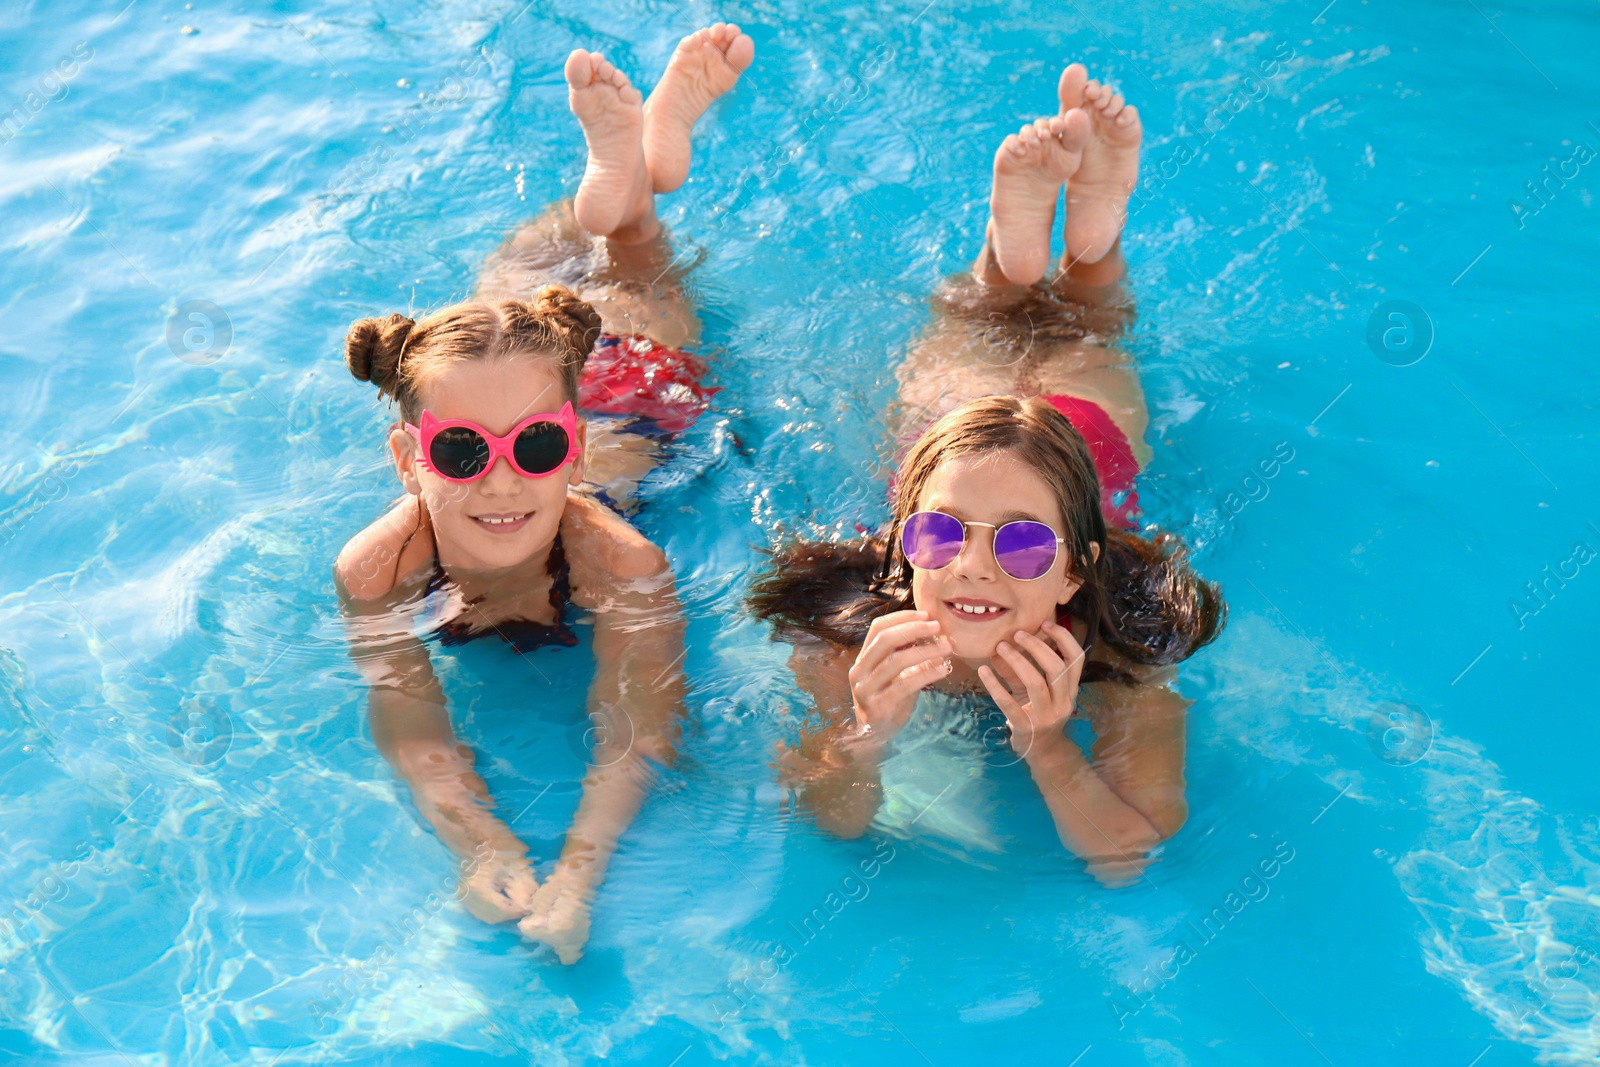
{"x": 569, "y": 315}
{"x": 372, "y": 350}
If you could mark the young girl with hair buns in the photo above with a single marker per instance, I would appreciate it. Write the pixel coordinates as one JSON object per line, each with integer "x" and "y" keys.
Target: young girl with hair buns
{"x": 523, "y": 413}
{"x": 1011, "y": 566}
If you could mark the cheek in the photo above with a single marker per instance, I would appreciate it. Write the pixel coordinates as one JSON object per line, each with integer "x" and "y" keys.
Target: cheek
{"x": 925, "y": 590}
{"x": 1036, "y": 605}
{"x": 444, "y": 497}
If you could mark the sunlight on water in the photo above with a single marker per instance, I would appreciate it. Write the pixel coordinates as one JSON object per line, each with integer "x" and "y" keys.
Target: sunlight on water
{"x": 208, "y": 861}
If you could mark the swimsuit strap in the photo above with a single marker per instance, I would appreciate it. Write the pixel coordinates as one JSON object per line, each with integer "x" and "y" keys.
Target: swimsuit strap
{"x": 560, "y": 577}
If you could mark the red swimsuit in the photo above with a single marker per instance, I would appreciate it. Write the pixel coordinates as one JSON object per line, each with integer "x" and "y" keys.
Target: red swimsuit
{"x": 1113, "y": 457}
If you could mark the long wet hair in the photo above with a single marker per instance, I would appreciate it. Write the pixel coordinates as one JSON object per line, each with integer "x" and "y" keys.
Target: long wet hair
{"x": 1140, "y": 596}
{"x": 399, "y": 355}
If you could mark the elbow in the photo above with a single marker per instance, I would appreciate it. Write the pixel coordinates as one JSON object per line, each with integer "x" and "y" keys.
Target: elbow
{"x": 847, "y": 817}
{"x": 1131, "y": 846}
{"x": 845, "y": 829}
{"x": 1167, "y": 816}
{"x": 428, "y": 762}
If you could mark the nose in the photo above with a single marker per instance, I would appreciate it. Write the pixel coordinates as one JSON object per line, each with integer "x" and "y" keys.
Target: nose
{"x": 976, "y": 560}
{"x": 502, "y": 479}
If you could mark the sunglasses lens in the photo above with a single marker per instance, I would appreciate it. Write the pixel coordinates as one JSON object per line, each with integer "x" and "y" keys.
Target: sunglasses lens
{"x": 459, "y": 453}
{"x": 1025, "y": 550}
{"x": 541, "y": 448}
{"x": 931, "y": 540}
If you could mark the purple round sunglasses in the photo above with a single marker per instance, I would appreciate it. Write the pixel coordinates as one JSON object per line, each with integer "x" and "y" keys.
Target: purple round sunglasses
{"x": 1024, "y": 549}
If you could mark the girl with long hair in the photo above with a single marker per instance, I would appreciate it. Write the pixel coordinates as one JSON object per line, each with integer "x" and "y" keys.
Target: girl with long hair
{"x": 1013, "y": 566}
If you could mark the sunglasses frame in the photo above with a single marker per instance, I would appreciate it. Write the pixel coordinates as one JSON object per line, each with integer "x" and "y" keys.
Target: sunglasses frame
{"x": 499, "y": 444}
{"x": 992, "y": 543}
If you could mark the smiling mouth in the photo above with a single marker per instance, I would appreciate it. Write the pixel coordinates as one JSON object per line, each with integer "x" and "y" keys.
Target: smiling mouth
{"x": 503, "y": 523}
{"x": 976, "y": 611}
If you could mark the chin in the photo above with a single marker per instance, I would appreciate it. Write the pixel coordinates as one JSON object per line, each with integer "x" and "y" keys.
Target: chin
{"x": 497, "y": 551}
{"x": 975, "y": 649}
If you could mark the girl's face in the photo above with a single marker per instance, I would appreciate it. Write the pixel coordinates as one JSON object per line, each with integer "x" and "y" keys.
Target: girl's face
{"x": 975, "y": 603}
{"x": 503, "y": 518}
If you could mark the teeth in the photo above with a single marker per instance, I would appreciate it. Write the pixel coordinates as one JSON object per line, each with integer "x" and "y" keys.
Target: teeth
{"x": 500, "y": 522}
{"x": 973, "y": 609}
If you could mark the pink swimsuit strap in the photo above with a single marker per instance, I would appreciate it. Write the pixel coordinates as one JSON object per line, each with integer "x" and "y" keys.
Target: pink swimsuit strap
{"x": 1113, "y": 457}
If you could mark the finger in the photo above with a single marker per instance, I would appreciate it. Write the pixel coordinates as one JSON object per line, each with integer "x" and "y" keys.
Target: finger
{"x": 1004, "y": 672}
{"x": 889, "y": 671}
{"x": 893, "y": 617}
{"x": 1038, "y": 689}
{"x": 1050, "y": 663}
{"x": 1003, "y": 699}
{"x": 1071, "y": 651}
{"x": 915, "y": 679}
{"x": 1056, "y": 671}
{"x": 912, "y": 636}
{"x": 891, "y": 639}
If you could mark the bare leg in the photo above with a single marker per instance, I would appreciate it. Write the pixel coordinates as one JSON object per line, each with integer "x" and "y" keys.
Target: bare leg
{"x": 993, "y": 335}
{"x": 607, "y": 244}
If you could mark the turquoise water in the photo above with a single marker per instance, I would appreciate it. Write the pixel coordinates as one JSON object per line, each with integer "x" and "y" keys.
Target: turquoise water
{"x": 207, "y": 861}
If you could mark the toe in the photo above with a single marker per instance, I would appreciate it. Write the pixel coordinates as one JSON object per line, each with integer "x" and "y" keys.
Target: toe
{"x": 578, "y": 70}
{"x": 1077, "y": 122}
{"x": 1076, "y": 128}
{"x": 1069, "y": 90}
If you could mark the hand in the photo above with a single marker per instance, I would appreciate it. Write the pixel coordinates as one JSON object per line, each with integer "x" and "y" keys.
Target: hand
{"x": 501, "y": 888}
{"x": 1048, "y": 674}
{"x": 559, "y": 917}
{"x": 904, "y": 654}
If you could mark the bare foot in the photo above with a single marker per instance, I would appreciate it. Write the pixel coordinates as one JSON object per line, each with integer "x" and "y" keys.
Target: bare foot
{"x": 1097, "y": 198}
{"x": 1029, "y": 169}
{"x": 560, "y": 918}
{"x": 502, "y": 889}
{"x": 704, "y": 66}
{"x": 615, "y": 191}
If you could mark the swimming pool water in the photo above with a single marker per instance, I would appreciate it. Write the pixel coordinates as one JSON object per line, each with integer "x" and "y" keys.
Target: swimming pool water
{"x": 206, "y": 860}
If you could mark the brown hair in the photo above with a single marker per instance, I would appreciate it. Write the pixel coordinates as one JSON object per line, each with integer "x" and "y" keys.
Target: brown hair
{"x": 1140, "y": 596}
{"x": 398, "y": 355}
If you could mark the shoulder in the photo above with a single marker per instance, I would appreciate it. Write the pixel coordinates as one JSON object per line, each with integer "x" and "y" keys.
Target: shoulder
{"x": 603, "y": 548}
{"x": 395, "y": 548}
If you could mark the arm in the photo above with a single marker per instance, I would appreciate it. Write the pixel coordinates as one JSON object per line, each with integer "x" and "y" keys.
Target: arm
{"x": 864, "y": 697}
{"x": 833, "y": 768}
{"x": 635, "y": 703}
{"x": 1139, "y": 746}
{"x": 1113, "y": 811}
{"x": 411, "y": 728}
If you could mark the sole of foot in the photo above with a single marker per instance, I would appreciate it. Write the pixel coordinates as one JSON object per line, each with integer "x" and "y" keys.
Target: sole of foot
{"x": 1030, "y": 167}
{"x": 616, "y": 183}
{"x": 705, "y": 65}
{"x": 1097, "y": 198}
